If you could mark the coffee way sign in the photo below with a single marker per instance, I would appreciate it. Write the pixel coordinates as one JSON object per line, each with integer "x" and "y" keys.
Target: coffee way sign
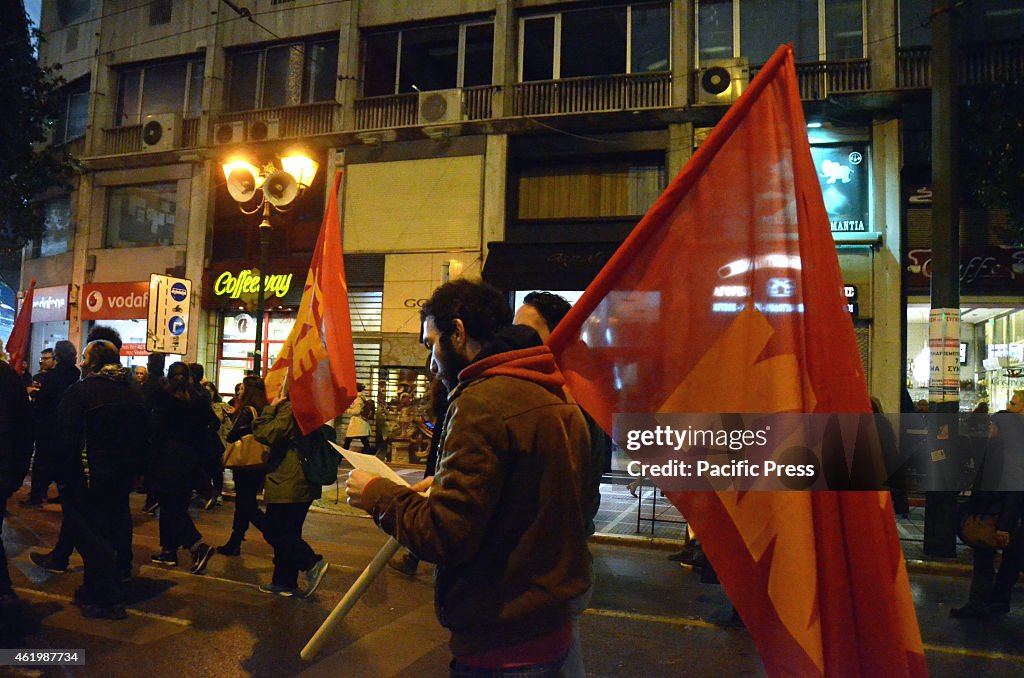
{"x": 231, "y": 286}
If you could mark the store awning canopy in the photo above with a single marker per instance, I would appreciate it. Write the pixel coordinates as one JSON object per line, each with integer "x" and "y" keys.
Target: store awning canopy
{"x": 545, "y": 266}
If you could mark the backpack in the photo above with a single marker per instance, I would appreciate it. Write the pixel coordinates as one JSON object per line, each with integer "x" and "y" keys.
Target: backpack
{"x": 320, "y": 461}
{"x": 368, "y": 410}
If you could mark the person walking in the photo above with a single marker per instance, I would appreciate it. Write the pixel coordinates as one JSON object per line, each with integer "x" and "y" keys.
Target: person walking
{"x": 181, "y": 421}
{"x": 360, "y": 413}
{"x": 98, "y": 423}
{"x": 288, "y": 495}
{"x": 15, "y": 453}
{"x": 52, "y": 385}
{"x": 252, "y": 400}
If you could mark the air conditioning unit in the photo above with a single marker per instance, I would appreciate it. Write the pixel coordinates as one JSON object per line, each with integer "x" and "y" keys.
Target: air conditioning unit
{"x": 721, "y": 81}
{"x": 264, "y": 130}
{"x": 442, "y": 106}
{"x": 161, "y": 132}
{"x": 229, "y": 132}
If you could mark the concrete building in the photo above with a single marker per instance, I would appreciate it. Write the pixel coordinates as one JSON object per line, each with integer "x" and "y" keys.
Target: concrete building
{"x": 517, "y": 139}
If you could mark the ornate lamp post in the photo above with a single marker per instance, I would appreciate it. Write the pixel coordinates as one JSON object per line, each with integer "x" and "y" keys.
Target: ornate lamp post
{"x": 267, "y": 186}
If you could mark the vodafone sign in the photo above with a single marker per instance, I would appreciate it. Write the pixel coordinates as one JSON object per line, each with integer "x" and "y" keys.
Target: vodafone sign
{"x": 115, "y": 301}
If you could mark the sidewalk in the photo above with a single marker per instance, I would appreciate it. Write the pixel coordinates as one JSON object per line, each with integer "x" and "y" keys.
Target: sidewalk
{"x": 649, "y": 520}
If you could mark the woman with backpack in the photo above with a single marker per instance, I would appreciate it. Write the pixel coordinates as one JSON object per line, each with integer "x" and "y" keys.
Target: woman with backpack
{"x": 288, "y": 495}
{"x": 361, "y": 412}
{"x": 248, "y": 481}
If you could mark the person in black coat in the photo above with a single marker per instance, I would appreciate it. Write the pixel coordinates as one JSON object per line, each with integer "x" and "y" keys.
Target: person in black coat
{"x": 97, "y": 428}
{"x": 180, "y": 422}
{"x": 248, "y": 481}
{"x": 15, "y": 453}
{"x": 52, "y": 385}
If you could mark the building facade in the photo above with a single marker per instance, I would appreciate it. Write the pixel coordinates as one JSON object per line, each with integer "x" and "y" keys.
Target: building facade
{"x": 520, "y": 140}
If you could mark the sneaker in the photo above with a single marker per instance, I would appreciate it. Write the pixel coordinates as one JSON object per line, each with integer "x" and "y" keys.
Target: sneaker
{"x": 230, "y": 549}
{"x": 212, "y": 502}
{"x": 151, "y": 508}
{"x": 276, "y": 590}
{"x": 165, "y": 558}
{"x": 314, "y": 576}
{"x": 200, "y": 556}
{"x": 104, "y": 611}
{"x": 46, "y": 561}
{"x": 406, "y": 563}
{"x": 970, "y": 611}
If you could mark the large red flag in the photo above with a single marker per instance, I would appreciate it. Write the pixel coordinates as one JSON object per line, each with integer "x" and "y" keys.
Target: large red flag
{"x": 17, "y": 343}
{"x": 727, "y": 298}
{"x": 318, "y": 357}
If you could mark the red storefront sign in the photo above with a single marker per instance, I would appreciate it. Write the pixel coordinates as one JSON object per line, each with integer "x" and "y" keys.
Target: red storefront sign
{"x": 115, "y": 301}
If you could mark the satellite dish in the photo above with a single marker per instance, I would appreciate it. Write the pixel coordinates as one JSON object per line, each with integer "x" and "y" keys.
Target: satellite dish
{"x": 280, "y": 188}
{"x": 241, "y": 184}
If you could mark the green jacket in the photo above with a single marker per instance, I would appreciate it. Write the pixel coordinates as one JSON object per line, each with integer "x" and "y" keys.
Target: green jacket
{"x": 286, "y": 483}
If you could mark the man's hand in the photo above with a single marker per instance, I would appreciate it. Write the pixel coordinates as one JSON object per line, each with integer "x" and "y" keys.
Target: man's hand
{"x": 356, "y": 485}
{"x": 1002, "y": 538}
{"x": 423, "y": 485}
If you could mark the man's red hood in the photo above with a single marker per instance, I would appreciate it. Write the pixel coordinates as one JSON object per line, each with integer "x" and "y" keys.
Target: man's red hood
{"x": 536, "y": 364}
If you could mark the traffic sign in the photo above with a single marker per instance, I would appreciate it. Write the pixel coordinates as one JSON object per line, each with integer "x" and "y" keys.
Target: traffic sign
{"x": 167, "y": 326}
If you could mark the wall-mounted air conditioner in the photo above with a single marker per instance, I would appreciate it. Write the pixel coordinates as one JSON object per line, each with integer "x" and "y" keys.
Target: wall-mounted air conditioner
{"x": 161, "y": 132}
{"x": 229, "y": 132}
{"x": 721, "y": 81}
{"x": 265, "y": 129}
{"x": 442, "y": 106}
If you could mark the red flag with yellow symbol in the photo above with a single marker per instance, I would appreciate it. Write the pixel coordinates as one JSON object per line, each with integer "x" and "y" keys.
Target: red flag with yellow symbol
{"x": 318, "y": 358}
{"x": 17, "y": 343}
{"x": 727, "y": 297}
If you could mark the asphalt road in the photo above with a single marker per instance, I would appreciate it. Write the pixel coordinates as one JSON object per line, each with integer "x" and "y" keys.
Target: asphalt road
{"x": 649, "y": 616}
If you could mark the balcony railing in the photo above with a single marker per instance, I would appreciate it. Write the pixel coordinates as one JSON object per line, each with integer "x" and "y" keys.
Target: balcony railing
{"x": 399, "y": 110}
{"x": 978, "y": 65}
{"x": 819, "y": 79}
{"x": 128, "y": 138}
{"x": 593, "y": 94}
{"x": 293, "y": 121}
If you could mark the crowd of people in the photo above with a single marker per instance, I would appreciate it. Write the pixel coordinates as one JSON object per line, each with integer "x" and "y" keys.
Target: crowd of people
{"x": 100, "y": 430}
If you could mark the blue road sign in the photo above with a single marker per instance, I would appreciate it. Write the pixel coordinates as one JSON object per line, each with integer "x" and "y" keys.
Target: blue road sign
{"x": 179, "y": 291}
{"x": 176, "y": 325}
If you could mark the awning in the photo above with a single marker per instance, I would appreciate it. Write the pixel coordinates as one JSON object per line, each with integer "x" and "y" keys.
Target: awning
{"x": 545, "y": 266}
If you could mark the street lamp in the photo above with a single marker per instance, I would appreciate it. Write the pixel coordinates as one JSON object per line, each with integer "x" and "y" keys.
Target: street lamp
{"x": 277, "y": 188}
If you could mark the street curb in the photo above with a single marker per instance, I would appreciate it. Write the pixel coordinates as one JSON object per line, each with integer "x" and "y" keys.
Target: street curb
{"x": 939, "y": 567}
{"x": 656, "y": 543}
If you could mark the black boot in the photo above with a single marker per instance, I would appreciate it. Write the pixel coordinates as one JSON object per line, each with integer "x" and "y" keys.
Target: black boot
{"x": 232, "y": 547}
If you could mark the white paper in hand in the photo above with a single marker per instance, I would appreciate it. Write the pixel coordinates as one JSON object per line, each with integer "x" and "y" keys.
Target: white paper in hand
{"x": 369, "y": 462}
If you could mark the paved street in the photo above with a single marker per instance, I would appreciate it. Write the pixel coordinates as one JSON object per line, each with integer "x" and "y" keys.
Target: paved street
{"x": 647, "y": 618}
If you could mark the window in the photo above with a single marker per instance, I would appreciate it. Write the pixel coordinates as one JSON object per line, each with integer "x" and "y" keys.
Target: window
{"x": 428, "y": 58}
{"x": 69, "y": 11}
{"x": 593, "y": 190}
{"x": 74, "y": 115}
{"x": 160, "y": 12}
{"x": 170, "y": 87}
{"x": 598, "y": 41}
{"x": 818, "y": 29}
{"x": 141, "y": 216}
{"x": 282, "y": 75}
{"x": 57, "y": 225}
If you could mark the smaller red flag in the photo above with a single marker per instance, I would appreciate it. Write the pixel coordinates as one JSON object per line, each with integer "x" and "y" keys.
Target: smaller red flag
{"x": 318, "y": 357}
{"x": 17, "y": 343}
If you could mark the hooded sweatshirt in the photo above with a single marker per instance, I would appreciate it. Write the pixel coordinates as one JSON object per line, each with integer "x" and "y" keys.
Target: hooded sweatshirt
{"x": 503, "y": 521}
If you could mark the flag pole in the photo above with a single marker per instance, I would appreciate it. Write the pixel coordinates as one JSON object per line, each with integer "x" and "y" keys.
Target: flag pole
{"x": 353, "y": 595}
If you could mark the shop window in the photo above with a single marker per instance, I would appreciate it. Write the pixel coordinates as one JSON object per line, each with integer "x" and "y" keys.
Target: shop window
{"x": 592, "y": 42}
{"x": 755, "y": 28}
{"x": 141, "y": 216}
{"x": 282, "y": 75}
{"x": 428, "y": 58}
{"x": 170, "y": 87}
